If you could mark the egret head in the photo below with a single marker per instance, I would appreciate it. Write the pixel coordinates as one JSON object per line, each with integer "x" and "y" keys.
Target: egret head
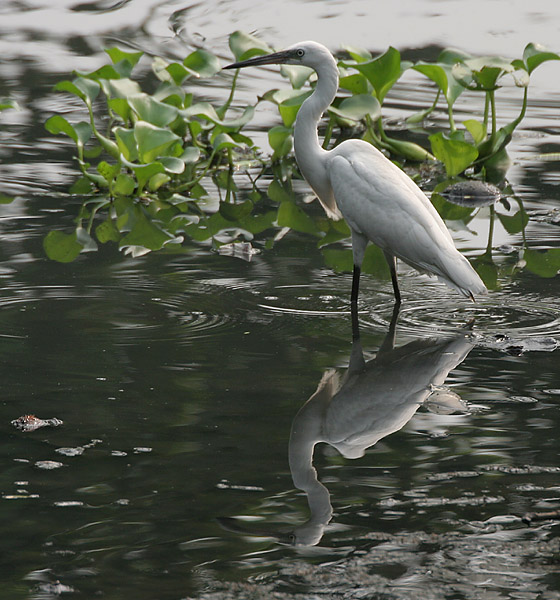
{"x": 307, "y": 54}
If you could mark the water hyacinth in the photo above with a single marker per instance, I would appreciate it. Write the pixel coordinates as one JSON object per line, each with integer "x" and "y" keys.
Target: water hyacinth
{"x": 164, "y": 167}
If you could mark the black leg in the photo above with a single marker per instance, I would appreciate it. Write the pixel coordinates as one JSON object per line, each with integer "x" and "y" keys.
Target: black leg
{"x": 389, "y": 341}
{"x": 355, "y": 323}
{"x": 355, "y": 285}
{"x": 392, "y": 262}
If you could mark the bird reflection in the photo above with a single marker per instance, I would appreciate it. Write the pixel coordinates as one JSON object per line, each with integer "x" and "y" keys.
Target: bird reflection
{"x": 352, "y": 413}
{"x": 371, "y": 401}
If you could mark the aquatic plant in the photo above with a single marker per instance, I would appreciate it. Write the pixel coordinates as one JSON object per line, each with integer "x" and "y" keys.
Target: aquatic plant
{"x": 160, "y": 167}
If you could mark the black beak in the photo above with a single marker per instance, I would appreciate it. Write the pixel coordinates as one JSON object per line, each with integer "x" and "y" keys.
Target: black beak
{"x": 276, "y": 58}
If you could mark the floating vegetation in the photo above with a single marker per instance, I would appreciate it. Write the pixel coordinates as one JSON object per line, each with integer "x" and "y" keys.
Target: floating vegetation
{"x": 168, "y": 166}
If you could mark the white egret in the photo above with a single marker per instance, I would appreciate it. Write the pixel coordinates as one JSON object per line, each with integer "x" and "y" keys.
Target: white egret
{"x": 379, "y": 201}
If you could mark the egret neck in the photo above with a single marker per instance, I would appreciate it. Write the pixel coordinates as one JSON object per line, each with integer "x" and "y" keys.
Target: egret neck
{"x": 310, "y": 155}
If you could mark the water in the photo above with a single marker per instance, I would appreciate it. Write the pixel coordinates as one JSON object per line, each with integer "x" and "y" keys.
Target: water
{"x": 180, "y": 378}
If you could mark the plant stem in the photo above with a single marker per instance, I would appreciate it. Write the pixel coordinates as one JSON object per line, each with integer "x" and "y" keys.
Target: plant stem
{"x": 493, "y": 107}
{"x": 452, "y": 126}
{"x": 488, "y": 251}
{"x": 223, "y": 109}
{"x": 328, "y": 133}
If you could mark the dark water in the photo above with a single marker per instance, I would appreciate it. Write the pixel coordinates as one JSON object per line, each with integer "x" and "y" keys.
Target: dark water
{"x": 181, "y": 381}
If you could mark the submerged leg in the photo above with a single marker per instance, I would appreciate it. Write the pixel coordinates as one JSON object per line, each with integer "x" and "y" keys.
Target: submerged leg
{"x": 355, "y": 323}
{"x": 389, "y": 342}
{"x": 355, "y": 285}
{"x": 359, "y": 243}
{"x": 392, "y": 262}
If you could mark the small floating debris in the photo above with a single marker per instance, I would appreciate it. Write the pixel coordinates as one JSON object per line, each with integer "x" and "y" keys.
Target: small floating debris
{"x": 70, "y": 451}
{"x": 472, "y": 193}
{"x": 31, "y": 423}
{"x": 242, "y": 250}
{"x": 48, "y": 465}
{"x": 523, "y": 399}
{"x": 533, "y": 517}
{"x": 516, "y": 347}
{"x": 442, "y": 401}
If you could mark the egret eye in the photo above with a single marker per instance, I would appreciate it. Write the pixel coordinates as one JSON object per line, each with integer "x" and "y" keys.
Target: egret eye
{"x": 300, "y": 52}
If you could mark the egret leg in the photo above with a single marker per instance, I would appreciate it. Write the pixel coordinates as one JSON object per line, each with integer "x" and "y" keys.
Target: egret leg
{"x": 389, "y": 342}
{"x": 355, "y": 322}
{"x": 355, "y": 285}
{"x": 392, "y": 262}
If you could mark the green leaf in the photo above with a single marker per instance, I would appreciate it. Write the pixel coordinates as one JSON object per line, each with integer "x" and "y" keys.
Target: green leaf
{"x": 107, "y": 171}
{"x": 120, "y": 88}
{"x": 153, "y": 141}
{"x": 535, "y": 54}
{"x": 124, "y": 185}
{"x": 172, "y": 164}
{"x": 58, "y": 124}
{"x": 456, "y": 155}
{"x": 278, "y": 193}
{"x": 202, "y": 63}
{"x": 297, "y": 74}
{"x": 190, "y": 155}
{"x": 107, "y": 232}
{"x": 256, "y": 224}
{"x": 545, "y": 263}
{"x": 292, "y": 216}
{"x": 375, "y": 263}
{"x": 222, "y": 141}
{"x": 476, "y": 129}
{"x": 81, "y": 186}
{"x": 153, "y": 112}
{"x": 244, "y": 46}
{"x": 382, "y": 72}
{"x": 120, "y": 107}
{"x": 488, "y": 271}
{"x": 289, "y": 107}
{"x": 206, "y": 111}
{"x": 358, "y": 107}
{"x": 356, "y": 83}
{"x": 235, "y": 212}
{"x": 173, "y": 72}
{"x": 441, "y": 75}
{"x": 126, "y": 142}
{"x": 61, "y": 247}
{"x": 280, "y": 140}
{"x": 514, "y": 223}
{"x": 340, "y": 261}
{"x": 144, "y": 172}
{"x": 117, "y": 55}
{"x": 145, "y": 233}
{"x": 451, "y": 56}
{"x": 157, "y": 180}
{"x": 5, "y": 199}
{"x": 7, "y": 103}
{"x": 107, "y": 72}
{"x": 358, "y": 54}
{"x": 85, "y": 89}
{"x": 338, "y": 230}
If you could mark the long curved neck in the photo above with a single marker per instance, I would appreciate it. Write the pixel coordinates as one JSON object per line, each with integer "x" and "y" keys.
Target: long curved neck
{"x": 309, "y": 153}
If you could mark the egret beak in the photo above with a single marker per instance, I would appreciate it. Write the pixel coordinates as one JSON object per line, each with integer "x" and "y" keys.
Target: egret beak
{"x": 276, "y": 58}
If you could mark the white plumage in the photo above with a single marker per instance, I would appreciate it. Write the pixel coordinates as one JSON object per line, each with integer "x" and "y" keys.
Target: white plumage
{"x": 380, "y": 203}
